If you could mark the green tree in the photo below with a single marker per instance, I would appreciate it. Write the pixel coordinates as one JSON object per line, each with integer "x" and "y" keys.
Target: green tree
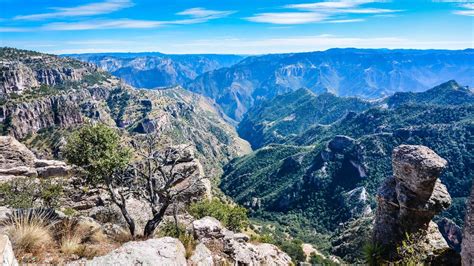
{"x": 98, "y": 150}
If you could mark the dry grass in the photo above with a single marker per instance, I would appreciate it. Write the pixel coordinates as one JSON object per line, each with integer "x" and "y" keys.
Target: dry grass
{"x": 29, "y": 231}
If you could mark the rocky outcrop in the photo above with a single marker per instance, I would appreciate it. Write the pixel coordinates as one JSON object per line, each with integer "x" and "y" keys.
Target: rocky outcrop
{"x": 63, "y": 110}
{"x": 408, "y": 201}
{"x": 467, "y": 249}
{"x": 22, "y": 70}
{"x": 17, "y": 160}
{"x": 235, "y": 248}
{"x": 451, "y": 232}
{"x": 7, "y": 257}
{"x": 164, "y": 251}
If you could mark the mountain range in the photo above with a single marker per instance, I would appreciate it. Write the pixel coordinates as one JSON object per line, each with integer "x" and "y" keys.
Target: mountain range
{"x": 321, "y": 158}
{"x": 151, "y": 70}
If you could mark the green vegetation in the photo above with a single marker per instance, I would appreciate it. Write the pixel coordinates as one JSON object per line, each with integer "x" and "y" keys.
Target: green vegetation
{"x": 303, "y": 182}
{"x": 232, "y": 216}
{"x": 373, "y": 254}
{"x": 178, "y": 231}
{"x": 98, "y": 150}
{"x": 28, "y": 193}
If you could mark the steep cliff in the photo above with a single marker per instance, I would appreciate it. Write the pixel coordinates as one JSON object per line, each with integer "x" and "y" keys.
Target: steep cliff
{"x": 53, "y": 95}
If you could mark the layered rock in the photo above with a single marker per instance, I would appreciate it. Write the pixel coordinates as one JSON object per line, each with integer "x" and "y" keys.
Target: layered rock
{"x": 467, "y": 248}
{"x": 408, "y": 201}
{"x": 16, "y": 160}
{"x": 227, "y": 246}
{"x": 22, "y": 70}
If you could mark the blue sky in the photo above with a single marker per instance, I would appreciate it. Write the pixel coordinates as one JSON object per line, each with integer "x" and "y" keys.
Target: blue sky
{"x": 233, "y": 26}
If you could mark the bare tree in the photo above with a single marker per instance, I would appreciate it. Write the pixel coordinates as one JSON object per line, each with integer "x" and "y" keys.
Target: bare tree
{"x": 159, "y": 177}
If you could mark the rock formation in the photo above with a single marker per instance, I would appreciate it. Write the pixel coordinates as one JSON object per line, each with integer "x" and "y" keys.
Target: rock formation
{"x": 451, "y": 232}
{"x": 164, "y": 251}
{"x": 227, "y": 246}
{"x": 409, "y": 200}
{"x": 7, "y": 258}
{"x": 17, "y": 160}
{"x": 467, "y": 247}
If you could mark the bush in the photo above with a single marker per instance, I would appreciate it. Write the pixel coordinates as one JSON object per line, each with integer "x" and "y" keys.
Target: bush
{"x": 30, "y": 231}
{"x": 232, "y": 216}
{"x": 294, "y": 249}
{"x": 26, "y": 193}
{"x": 98, "y": 150}
{"x": 372, "y": 253}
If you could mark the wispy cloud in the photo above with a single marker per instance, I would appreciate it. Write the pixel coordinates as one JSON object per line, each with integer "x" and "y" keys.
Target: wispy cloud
{"x": 336, "y": 11}
{"x": 288, "y": 18}
{"x": 14, "y": 29}
{"x": 468, "y": 10}
{"x": 92, "y": 9}
{"x": 197, "y": 15}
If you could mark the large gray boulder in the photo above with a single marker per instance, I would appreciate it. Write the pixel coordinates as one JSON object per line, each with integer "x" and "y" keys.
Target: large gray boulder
{"x": 408, "y": 201}
{"x": 234, "y": 248}
{"x": 166, "y": 251}
{"x": 467, "y": 247}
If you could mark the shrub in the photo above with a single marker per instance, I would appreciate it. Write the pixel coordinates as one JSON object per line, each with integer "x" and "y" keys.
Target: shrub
{"x": 294, "y": 249}
{"x": 372, "y": 253}
{"x": 30, "y": 230}
{"x": 98, "y": 150}
{"x": 232, "y": 216}
{"x": 24, "y": 193}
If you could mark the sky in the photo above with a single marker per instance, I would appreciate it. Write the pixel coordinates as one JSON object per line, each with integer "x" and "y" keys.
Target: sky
{"x": 233, "y": 26}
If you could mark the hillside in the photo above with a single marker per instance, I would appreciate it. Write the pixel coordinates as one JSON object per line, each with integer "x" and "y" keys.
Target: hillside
{"x": 151, "y": 70}
{"x": 328, "y": 174}
{"x": 292, "y": 113}
{"x": 45, "y": 97}
{"x": 344, "y": 72}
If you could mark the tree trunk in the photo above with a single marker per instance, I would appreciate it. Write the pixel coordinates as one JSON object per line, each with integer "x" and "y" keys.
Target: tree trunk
{"x": 153, "y": 223}
{"x": 129, "y": 220}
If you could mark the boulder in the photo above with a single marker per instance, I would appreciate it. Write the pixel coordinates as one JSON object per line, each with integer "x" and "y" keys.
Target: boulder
{"x": 408, "y": 201}
{"x": 202, "y": 256}
{"x": 166, "y": 251}
{"x": 234, "y": 247}
{"x": 52, "y": 168}
{"x": 14, "y": 154}
{"x": 451, "y": 233}
{"x": 467, "y": 247}
{"x": 7, "y": 257}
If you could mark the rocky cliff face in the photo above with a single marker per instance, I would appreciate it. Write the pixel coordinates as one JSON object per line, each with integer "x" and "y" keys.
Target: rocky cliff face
{"x": 370, "y": 73}
{"x": 151, "y": 70}
{"x": 53, "y": 94}
{"x": 467, "y": 250}
{"x": 22, "y": 70}
{"x": 408, "y": 201}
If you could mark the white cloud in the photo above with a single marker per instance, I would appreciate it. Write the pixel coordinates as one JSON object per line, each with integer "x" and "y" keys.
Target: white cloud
{"x": 345, "y": 20}
{"x": 14, "y": 29}
{"x": 321, "y": 12}
{"x": 288, "y": 18}
{"x": 467, "y": 11}
{"x": 199, "y": 12}
{"x": 92, "y": 9}
{"x": 198, "y": 15}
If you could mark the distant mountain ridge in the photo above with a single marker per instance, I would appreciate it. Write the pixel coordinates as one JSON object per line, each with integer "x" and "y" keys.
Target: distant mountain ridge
{"x": 154, "y": 69}
{"x": 367, "y": 73}
{"x": 313, "y": 173}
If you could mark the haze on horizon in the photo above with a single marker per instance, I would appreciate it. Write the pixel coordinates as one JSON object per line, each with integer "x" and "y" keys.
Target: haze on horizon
{"x": 233, "y": 27}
